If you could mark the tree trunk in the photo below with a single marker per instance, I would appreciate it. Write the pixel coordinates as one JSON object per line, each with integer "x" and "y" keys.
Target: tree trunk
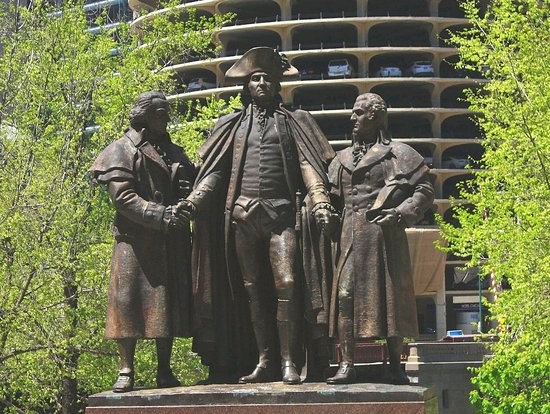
{"x": 69, "y": 391}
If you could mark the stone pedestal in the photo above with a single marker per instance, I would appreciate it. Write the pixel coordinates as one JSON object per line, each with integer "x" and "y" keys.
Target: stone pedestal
{"x": 445, "y": 367}
{"x": 270, "y": 398}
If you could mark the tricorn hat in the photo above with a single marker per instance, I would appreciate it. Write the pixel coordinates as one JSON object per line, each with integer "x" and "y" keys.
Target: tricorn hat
{"x": 261, "y": 59}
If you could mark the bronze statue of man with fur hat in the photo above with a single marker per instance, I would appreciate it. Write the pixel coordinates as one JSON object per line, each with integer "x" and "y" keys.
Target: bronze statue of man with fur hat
{"x": 247, "y": 255}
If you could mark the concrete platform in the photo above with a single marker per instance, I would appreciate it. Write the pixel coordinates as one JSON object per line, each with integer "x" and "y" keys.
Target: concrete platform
{"x": 445, "y": 366}
{"x": 270, "y": 398}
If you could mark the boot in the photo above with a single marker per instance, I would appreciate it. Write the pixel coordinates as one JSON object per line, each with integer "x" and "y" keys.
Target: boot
{"x": 264, "y": 371}
{"x": 286, "y": 338}
{"x": 124, "y": 382}
{"x": 344, "y": 375}
{"x": 288, "y": 333}
{"x": 260, "y": 374}
{"x": 346, "y": 371}
{"x": 290, "y": 374}
{"x": 167, "y": 379}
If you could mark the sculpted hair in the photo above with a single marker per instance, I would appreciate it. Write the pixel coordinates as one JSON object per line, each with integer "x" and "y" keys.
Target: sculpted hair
{"x": 138, "y": 114}
{"x": 373, "y": 101}
{"x": 377, "y": 104}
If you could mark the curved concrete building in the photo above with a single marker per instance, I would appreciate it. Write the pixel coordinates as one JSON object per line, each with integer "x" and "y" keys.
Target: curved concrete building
{"x": 397, "y": 49}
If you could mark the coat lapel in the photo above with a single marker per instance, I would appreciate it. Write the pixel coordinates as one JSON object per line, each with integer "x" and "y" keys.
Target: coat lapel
{"x": 137, "y": 137}
{"x": 239, "y": 149}
{"x": 151, "y": 153}
{"x": 241, "y": 134}
{"x": 376, "y": 153}
{"x": 346, "y": 159}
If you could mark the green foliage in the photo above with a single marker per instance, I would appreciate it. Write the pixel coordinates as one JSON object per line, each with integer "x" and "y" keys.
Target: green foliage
{"x": 516, "y": 380}
{"x": 507, "y": 229}
{"x": 191, "y": 134}
{"x": 56, "y": 80}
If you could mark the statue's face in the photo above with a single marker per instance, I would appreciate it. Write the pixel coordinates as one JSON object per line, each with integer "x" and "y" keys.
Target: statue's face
{"x": 362, "y": 117}
{"x": 262, "y": 88}
{"x": 158, "y": 116}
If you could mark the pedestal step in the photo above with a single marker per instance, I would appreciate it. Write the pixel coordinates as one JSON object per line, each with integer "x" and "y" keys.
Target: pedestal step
{"x": 270, "y": 398}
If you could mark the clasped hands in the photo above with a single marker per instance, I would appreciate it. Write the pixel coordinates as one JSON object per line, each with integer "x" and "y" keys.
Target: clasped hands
{"x": 180, "y": 214}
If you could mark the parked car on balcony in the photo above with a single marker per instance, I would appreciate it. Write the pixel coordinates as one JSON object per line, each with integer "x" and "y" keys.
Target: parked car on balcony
{"x": 338, "y": 68}
{"x": 388, "y": 72}
{"x": 455, "y": 162}
{"x": 420, "y": 68}
{"x": 199, "y": 84}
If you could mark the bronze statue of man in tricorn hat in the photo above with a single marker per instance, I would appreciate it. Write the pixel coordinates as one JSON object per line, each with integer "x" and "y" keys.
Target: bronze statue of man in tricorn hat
{"x": 247, "y": 258}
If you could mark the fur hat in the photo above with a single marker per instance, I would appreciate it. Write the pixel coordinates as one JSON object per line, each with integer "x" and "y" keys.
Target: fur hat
{"x": 261, "y": 59}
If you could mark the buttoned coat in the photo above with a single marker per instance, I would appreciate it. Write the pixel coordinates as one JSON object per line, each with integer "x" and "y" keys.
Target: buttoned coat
{"x": 377, "y": 257}
{"x": 150, "y": 286}
{"x": 223, "y": 335}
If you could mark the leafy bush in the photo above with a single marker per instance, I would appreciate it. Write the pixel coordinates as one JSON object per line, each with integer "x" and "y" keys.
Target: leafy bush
{"x": 507, "y": 230}
{"x": 58, "y": 80}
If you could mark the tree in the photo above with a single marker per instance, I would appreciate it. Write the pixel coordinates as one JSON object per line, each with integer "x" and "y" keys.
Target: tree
{"x": 57, "y": 82}
{"x": 506, "y": 227}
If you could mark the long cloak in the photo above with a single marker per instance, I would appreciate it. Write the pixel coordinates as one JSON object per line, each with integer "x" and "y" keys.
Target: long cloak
{"x": 222, "y": 328}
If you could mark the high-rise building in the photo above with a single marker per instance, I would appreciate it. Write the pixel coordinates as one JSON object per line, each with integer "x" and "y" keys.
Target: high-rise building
{"x": 397, "y": 49}
{"x": 116, "y": 11}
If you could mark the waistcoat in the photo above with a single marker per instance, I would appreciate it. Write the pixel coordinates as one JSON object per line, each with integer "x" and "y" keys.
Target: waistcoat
{"x": 263, "y": 173}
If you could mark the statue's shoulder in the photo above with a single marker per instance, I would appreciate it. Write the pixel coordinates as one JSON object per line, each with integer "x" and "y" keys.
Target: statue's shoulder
{"x": 224, "y": 124}
{"x": 298, "y": 114}
{"x": 400, "y": 149}
{"x": 221, "y": 133}
{"x": 233, "y": 116}
{"x": 224, "y": 121}
{"x": 343, "y": 160}
{"x": 119, "y": 153}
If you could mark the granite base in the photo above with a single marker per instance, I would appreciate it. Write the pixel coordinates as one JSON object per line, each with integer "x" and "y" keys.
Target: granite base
{"x": 270, "y": 398}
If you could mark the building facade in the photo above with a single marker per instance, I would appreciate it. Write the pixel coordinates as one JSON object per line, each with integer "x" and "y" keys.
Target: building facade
{"x": 397, "y": 49}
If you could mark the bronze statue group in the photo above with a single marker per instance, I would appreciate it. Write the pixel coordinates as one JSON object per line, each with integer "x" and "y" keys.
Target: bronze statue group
{"x": 292, "y": 243}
